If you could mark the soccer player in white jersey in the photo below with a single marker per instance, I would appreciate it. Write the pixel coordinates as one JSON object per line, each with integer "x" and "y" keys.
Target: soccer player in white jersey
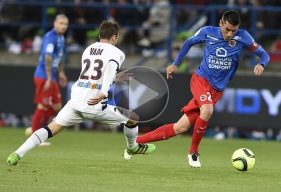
{"x": 100, "y": 63}
{"x": 223, "y": 49}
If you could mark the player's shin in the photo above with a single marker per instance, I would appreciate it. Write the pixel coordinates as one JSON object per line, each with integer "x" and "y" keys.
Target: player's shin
{"x": 35, "y": 139}
{"x": 38, "y": 119}
{"x": 131, "y": 133}
{"x": 198, "y": 133}
{"x": 161, "y": 133}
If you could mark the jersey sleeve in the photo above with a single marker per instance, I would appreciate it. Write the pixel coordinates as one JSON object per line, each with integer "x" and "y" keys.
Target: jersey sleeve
{"x": 118, "y": 58}
{"x": 250, "y": 42}
{"x": 198, "y": 37}
{"x": 49, "y": 45}
{"x": 256, "y": 48}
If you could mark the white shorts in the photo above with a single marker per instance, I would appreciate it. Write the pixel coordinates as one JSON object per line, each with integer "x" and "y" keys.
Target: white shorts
{"x": 112, "y": 116}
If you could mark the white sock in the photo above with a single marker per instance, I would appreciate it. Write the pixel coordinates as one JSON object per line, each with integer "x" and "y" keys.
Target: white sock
{"x": 35, "y": 139}
{"x": 131, "y": 136}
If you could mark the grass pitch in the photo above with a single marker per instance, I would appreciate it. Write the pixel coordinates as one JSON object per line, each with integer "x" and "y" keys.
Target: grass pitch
{"x": 92, "y": 161}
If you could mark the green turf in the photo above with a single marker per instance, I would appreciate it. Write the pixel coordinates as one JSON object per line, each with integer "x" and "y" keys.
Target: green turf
{"x": 92, "y": 161}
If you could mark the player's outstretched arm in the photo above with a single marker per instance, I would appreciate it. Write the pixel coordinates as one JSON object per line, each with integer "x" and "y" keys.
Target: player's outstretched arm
{"x": 170, "y": 70}
{"x": 258, "y": 69}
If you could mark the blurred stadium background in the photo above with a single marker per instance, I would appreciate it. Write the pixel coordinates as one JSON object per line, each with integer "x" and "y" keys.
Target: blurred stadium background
{"x": 249, "y": 107}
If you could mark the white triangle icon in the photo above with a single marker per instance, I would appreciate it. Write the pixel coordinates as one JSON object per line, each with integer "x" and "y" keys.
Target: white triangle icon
{"x": 139, "y": 94}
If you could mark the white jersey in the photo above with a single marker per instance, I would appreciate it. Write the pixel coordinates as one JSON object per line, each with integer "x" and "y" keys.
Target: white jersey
{"x": 94, "y": 62}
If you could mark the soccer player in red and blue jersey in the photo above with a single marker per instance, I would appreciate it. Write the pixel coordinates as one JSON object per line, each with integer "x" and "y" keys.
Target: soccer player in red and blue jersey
{"x": 223, "y": 49}
{"x": 48, "y": 97}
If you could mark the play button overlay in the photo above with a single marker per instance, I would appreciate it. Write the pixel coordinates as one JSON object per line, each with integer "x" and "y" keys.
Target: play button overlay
{"x": 137, "y": 87}
{"x": 146, "y": 94}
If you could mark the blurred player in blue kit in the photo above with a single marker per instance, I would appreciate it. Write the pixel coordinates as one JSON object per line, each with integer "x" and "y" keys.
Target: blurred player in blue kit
{"x": 223, "y": 49}
{"x": 47, "y": 96}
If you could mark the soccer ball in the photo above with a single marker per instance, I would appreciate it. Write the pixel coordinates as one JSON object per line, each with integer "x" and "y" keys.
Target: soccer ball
{"x": 243, "y": 159}
{"x": 28, "y": 131}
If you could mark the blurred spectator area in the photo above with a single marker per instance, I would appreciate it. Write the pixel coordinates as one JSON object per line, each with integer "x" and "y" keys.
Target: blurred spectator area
{"x": 165, "y": 24}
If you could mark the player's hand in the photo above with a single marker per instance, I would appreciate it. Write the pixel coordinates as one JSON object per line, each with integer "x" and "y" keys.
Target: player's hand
{"x": 170, "y": 70}
{"x": 62, "y": 80}
{"x": 47, "y": 85}
{"x": 123, "y": 77}
{"x": 258, "y": 69}
{"x": 96, "y": 100}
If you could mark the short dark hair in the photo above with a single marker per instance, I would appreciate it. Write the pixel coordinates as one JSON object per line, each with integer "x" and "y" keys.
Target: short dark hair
{"x": 232, "y": 17}
{"x": 108, "y": 29}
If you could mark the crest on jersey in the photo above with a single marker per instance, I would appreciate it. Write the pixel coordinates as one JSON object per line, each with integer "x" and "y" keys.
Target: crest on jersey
{"x": 203, "y": 97}
{"x": 221, "y": 52}
{"x": 232, "y": 43}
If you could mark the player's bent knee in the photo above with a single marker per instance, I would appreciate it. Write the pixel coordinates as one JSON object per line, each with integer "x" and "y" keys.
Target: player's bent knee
{"x": 180, "y": 128}
{"x": 206, "y": 111}
{"x": 206, "y": 114}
